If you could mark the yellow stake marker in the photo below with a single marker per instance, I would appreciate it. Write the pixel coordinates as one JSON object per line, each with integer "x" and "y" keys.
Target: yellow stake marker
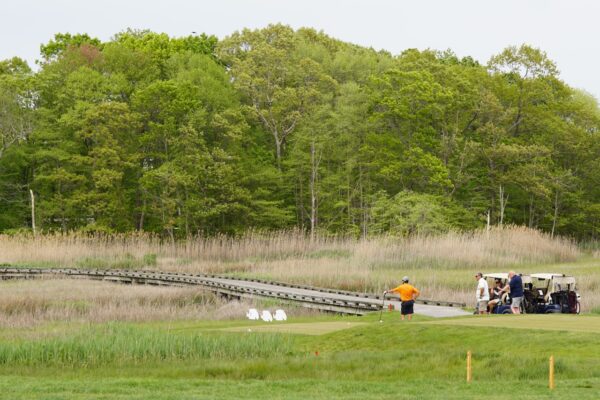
{"x": 551, "y": 373}
{"x": 469, "y": 372}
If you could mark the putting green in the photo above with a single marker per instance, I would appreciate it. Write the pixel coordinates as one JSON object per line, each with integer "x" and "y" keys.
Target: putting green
{"x": 308, "y": 328}
{"x": 573, "y": 323}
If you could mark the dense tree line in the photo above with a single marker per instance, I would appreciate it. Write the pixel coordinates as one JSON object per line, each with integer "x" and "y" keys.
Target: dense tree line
{"x": 277, "y": 128}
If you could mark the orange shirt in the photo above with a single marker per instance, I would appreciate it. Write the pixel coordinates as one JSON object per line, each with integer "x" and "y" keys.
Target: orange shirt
{"x": 406, "y": 291}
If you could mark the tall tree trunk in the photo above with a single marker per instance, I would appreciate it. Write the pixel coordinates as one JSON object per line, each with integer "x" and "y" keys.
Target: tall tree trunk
{"x": 349, "y": 199}
{"x": 300, "y": 204}
{"x": 503, "y": 201}
{"x": 555, "y": 218}
{"x": 314, "y": 204}
{"x": 531, "y": 212}
{"x": 142, "y": 214}
{"x": 278, "y": 150}
{"x": 32, "y": 212}
{"x": 362, "y": 202}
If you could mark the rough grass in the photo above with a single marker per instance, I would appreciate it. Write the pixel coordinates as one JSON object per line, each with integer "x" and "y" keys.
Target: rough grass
{"x": 364, "y": 362}
{"x": 118, "y": 344}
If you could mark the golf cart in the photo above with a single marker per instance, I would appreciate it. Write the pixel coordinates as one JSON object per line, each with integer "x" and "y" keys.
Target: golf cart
{"x": 503, "y": 305}
{"x": 553, "y": 293}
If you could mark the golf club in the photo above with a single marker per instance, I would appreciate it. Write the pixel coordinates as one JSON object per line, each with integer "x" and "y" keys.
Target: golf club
{"x": 382, "y": 306}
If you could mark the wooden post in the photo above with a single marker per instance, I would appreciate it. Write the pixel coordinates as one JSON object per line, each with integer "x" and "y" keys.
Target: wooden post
{"x": 551, "y": 373}
{"x": 469, "y": 370}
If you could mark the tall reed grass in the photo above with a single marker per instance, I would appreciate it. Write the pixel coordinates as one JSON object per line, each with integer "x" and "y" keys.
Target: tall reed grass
{"x": 500, "y": 246}
{"x": 441, "y": 265}
{"x": 120, "y": 344}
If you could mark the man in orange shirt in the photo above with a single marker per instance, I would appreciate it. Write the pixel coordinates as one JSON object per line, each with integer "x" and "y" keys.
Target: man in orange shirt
{"x": 408, "y": 294}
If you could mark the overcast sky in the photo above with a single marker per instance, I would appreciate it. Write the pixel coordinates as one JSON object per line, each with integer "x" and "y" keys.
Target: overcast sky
{"x": 568, "y": 30}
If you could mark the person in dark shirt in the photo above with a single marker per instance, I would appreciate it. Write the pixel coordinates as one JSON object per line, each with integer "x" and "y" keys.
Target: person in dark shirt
{"x": 516, "y": 292}
{"x": 515, "y": 288}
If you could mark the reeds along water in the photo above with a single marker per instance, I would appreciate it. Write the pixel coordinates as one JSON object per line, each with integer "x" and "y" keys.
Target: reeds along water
{"x": 501, "y": 246}
{"x": 441, "y": 264}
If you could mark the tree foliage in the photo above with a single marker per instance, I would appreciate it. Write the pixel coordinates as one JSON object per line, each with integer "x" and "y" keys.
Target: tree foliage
{"x": 278, "y": 128}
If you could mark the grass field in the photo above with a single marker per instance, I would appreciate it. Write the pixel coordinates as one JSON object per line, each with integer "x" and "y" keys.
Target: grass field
{"x": 424, "y": 359}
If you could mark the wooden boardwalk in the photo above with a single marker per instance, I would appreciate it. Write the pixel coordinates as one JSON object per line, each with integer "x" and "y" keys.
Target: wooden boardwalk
{"x": 307, "y": 296}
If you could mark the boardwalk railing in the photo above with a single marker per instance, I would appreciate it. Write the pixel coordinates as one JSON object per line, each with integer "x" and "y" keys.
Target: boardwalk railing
{"x": 307, "y": 296}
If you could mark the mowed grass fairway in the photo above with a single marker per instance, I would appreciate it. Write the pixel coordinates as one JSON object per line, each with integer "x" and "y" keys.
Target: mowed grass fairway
{"x": 424, "y": 359}
{"x": 307, "y": 328}
{"x": 569, "y": 323}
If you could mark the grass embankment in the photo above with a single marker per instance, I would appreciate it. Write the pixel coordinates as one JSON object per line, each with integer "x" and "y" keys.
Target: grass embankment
{"x": 423, "y": 359}
{"x": 442, "y": 266}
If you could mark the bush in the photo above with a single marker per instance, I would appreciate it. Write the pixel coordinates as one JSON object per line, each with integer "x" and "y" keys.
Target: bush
{"x": 409, "y": 213}
{"x": 150, "y": 260}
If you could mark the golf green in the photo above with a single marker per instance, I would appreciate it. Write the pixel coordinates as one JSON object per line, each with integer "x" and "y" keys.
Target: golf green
{"x": 554, "y": 322}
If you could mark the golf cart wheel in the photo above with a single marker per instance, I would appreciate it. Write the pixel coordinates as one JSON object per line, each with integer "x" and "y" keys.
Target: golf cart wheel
{"x": 506, "y": 312}
{"x": 578, "y": 308}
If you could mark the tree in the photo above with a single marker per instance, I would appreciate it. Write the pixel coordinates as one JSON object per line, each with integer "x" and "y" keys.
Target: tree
{"x": 279, "y": 85}
{"x": 16, "y": 121}
{"x": 52, "y": 50}
{"x": 279, "y": 128}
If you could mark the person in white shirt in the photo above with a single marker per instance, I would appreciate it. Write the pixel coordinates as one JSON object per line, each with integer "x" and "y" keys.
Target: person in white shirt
{"x": 483, "y": 294}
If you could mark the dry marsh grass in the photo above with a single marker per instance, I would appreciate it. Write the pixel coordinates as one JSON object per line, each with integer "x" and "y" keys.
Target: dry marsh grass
{"x": 441, "y": 265}
{"x": 498, "y": 247}
{"x": 29, "y": 303}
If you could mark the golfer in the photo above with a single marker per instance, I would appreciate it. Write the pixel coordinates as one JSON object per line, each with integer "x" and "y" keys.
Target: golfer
{"x": 408, "y": 294}
{"x": 516, "y": 292}
{"x": 483, "y": 294}
{"x": 515, "y": 289}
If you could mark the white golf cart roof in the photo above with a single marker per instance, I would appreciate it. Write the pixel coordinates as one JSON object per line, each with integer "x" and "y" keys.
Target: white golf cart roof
{"x": 561, "y": 279}
{"x": 546, "y": 275}
{"x": 504, "y": 276}
{"x": 497, "y": 275}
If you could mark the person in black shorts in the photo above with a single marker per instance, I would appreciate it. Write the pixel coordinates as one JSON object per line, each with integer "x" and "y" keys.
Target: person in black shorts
{"x": 408, "y": 293}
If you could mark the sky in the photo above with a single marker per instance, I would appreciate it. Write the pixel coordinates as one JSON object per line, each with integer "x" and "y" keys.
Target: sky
{"x": 567, "y": 30}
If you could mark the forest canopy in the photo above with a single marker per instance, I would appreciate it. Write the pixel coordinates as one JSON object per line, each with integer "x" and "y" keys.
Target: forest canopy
{"x": 279, "y": 128}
